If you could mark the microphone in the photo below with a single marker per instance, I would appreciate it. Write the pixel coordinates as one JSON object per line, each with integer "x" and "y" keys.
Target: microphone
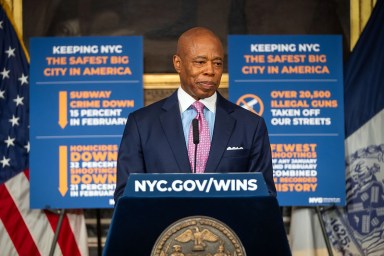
{"x": 196, "y": 139}
{"x": 195, "y": 130}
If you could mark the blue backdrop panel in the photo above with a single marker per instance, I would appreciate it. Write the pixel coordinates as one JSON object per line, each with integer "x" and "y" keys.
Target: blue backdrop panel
{"x": 82, "y": 90}
{"x": 296, "y": 84}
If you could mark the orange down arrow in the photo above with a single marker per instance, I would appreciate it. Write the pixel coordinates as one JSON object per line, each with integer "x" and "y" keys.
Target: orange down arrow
{"x": 63, "y": 170}
{"x": 63, "y": 115}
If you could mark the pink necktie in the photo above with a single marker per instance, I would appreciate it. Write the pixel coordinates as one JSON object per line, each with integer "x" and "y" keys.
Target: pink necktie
{"x": 205, "y": 142}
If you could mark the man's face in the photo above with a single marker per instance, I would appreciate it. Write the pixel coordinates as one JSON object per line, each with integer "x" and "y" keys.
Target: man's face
{"x": 200, "y": 66}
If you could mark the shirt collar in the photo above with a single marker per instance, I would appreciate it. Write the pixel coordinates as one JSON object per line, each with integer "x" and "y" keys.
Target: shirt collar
{"x": 186, "y": 100}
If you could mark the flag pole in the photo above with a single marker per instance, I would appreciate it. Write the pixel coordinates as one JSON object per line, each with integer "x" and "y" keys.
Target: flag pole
{"x": 99, "y": 235}
{"x": 57, "y": 231}
{"x": 327, "y": 243}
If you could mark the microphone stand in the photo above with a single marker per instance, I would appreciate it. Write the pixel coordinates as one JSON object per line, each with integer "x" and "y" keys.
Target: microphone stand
{"x": 196, "y": 139}
{"x": 194, "y": 167}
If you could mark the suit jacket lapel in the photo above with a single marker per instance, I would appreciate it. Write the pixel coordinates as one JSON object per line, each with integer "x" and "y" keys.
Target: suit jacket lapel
{"x": 173, "y": 130}
{"x": 224, "y": 125}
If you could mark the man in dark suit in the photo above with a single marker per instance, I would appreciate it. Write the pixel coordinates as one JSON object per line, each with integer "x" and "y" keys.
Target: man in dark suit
{"x": 156, "y": 137}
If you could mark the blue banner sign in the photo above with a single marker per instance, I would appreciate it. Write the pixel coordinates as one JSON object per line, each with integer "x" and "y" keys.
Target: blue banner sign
{"x": 296, "y": 84}
{"x": 82, "y": 90}
{"x": 196, "y": 185}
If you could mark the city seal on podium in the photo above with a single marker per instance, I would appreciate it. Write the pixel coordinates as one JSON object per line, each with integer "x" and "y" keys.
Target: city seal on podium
{"x": 198, "y": 236}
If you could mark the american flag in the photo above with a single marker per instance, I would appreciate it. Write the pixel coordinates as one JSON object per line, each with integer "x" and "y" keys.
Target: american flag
{"x": 24, "y": 231}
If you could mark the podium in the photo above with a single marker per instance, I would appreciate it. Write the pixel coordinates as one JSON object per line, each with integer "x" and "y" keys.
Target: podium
{"x": 153, "y": 202}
